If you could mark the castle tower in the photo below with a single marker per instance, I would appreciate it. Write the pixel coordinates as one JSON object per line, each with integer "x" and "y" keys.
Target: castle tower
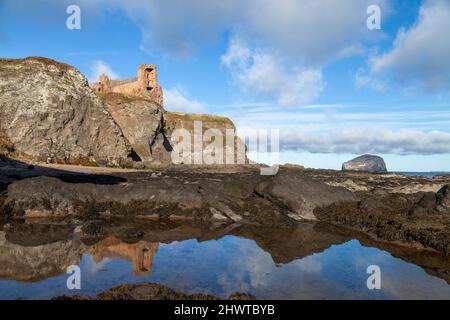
{"x": 148, "y": 82}
{"x": 104, "y": 80}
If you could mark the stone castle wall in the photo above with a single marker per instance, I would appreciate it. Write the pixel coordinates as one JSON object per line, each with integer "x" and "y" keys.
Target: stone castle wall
{"x": 145, "y": 84}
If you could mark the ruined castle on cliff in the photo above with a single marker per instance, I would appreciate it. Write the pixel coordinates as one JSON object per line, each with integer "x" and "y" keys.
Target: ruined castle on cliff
{"x": 145, "y": 84}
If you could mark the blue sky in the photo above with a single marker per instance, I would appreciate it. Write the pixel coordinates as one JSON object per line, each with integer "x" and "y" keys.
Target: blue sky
{"x": 309, "y": 68}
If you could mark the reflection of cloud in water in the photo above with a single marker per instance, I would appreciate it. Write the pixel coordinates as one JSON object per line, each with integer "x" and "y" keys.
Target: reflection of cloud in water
{"x": 93, "y": 266}
{"x": 256, "y": 272}
{"x": 404, "y": 284}
{"x": 401, "y": 280}
{"x": 251, "y": 269}
{"x": 235, "y": 264}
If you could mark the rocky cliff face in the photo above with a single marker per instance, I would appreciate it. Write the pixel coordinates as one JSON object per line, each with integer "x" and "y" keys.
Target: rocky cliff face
{"x": 151, "y": 130}
{"x": 365, "y": 163}
{"x": 6, "y": 145}
{"x": 49, "y": 113}
{"x": 142, "y": 122}
{"x": 213, "y": 129}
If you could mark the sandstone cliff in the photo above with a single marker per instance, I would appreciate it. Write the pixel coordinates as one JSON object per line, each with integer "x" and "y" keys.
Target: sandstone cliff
{"x": 142, "y": 123}
{"x": 150, "y": 130}
{"x": 49, "y": 113}
{"x": 219, "y": 143}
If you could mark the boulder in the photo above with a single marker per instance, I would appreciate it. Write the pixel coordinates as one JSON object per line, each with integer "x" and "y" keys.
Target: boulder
{"x": 63, "y": 198}
{"x": 49, "y": 113}
{"x": 365, "y": 163}
{"x": 301, "y": 194}
{"x": 443, "y": 199}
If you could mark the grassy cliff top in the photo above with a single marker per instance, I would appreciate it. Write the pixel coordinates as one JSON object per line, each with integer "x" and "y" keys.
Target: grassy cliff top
{"x": 180, "y": 116}
{"x": 113, "y": 97}
{"x": 44, "y": 60}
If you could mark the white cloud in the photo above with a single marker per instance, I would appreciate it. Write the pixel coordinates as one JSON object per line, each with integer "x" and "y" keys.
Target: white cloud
{"x": 308, "y": 34}
{"x": 179, "y": 27}
{"x": 260, "y": 73}
{"x": 363, "y": 80}
{"x": 176, "y": 99}
{"x": 366, "y": 140}
{"x": 420, "y": 57}
{"x": 311, "y": 31}
{"x": 100, "y": 67}
{"x": 342, "y": 130}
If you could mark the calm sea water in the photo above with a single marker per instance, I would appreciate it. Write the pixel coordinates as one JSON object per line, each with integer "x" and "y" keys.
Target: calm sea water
{"x": 221, "y": 267}
{"x": 423, "y": 174}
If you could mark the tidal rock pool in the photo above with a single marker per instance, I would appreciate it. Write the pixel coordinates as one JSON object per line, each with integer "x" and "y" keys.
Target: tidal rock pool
{"x": 307, "y": 262}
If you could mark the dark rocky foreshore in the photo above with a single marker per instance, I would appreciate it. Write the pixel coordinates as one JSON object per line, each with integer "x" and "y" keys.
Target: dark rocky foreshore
{"x": 413, "y": 211}
{"x": 151, "y": 291}
{"x": 420, "y": 218}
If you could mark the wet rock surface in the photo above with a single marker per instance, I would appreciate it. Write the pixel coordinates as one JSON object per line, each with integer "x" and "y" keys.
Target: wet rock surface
{"x": 301, "y": 193}
{"x": 151, "y": 291}
{"x": 411, "y": 210}
{"x": 418, "y": 218}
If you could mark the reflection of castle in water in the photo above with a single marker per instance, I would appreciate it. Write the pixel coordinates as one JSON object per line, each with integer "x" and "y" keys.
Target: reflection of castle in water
{"x": 140, "y": 254}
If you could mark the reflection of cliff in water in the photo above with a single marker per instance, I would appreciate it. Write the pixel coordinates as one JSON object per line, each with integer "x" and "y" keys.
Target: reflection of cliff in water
{"x": 140, "y": 254}
{"x": 34, "y": 252}
{"x": 292, "y": 243}
{"x": 34, "y": 263}
{"x": 27, "y": 263}
{"x": 25, "y": 256}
